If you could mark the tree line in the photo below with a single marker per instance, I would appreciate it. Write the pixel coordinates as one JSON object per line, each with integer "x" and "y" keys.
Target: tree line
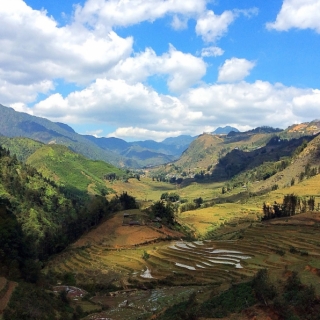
{"x": 290, "y": 206}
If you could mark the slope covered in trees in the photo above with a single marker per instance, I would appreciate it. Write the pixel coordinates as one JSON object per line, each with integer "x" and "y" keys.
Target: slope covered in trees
{"x": 39, "y": 218}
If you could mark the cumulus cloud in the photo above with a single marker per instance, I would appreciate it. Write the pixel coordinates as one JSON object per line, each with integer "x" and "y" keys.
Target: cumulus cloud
{"x": 140, "y": 112}
{"x": 96, "y": 133}
{"x": 105, "y": 14}
{"x": 212, "y": 27}
{"x": 300, "y": 14}
{"x": 212, "y": 52}
{"x": 182, "y": 69}
{"x": 11, "y": 92}
{"x": 136, "y": 133}
{"x": 35, "y": 47}
{"x": 246, "y": 104}
{"x": 235, "y": 69}
{"x": 114, "y": 102}
{"x": 307, "y": 104}
{"x": 35, "y": 51}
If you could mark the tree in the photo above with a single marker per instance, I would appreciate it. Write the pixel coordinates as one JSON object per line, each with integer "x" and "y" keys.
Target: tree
{"x": 198, "y": 202}
{"x": 127, "y": 202}
{"x": 263, "y": 288}
{"x": 311, "y": 203}
{"x": 163, "y": 211}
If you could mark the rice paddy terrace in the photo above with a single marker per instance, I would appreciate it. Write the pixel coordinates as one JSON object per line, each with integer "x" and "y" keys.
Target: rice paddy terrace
{"x": 281, "y": 245}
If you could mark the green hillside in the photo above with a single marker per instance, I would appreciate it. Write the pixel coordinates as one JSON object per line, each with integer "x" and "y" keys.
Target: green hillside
{"x": 70, "y": 169}
{"x": 21, "y": 147}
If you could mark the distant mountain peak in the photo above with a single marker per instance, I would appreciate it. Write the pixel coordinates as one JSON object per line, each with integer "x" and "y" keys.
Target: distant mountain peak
{"x": 65, "y": 127}
{"x": 225, "y": 130}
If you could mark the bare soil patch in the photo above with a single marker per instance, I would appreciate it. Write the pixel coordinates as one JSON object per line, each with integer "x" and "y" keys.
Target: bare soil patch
{"x": 305, "y": 219}
{"x": 112, "y": 233}
{"x": 4, "y": 300}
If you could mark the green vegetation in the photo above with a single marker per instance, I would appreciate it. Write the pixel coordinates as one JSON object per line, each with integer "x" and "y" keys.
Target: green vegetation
{"x": 22, "y": 148}
{"x": 70, "y": 169}
{"x": 290, "y": 206}
{"x": 39, "y": 218}
{"x": 289, "y": 300}
{"x": 29, "y": 302}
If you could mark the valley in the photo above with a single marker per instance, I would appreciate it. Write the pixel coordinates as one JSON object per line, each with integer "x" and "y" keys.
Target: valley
{"x": 98, "y": 241}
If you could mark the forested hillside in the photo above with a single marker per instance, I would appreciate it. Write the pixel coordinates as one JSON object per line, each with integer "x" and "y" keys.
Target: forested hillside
{"x": 39, "y": 218}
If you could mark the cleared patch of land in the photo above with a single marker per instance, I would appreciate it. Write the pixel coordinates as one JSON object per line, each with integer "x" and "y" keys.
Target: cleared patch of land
{"x": 6, "y": 289}
{"x": 112, "y": 233}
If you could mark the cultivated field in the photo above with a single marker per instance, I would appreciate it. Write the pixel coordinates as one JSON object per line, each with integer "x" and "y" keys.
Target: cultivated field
{"x": 281, "y": 245}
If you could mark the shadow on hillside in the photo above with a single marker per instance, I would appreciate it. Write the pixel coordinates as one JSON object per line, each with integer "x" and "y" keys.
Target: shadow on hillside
{"x": 238, "y": 161}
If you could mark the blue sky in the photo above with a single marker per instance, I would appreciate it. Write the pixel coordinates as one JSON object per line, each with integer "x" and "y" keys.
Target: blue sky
{"x": 151, "y": 69}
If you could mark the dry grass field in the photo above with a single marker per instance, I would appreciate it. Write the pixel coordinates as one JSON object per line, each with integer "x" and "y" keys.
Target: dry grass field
{"x": 111, "y": 233}
{"x": 148, "y": 190}
{"x": 204, "y": 220}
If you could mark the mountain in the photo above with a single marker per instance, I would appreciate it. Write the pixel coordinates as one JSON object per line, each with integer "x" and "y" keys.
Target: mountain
{"x": 169, "y": 149}
{"x": 225, "y": 130}
{"x": 19, "y": 124}
{"x": 113, "y": 150}
{"x": 207, "y": 149}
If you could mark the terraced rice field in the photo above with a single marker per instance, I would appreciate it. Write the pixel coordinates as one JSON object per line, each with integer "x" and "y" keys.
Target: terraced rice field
{"x": 177, "y": 268}
{"x": 277, "y": 245}
{"x": 204, "y": 220}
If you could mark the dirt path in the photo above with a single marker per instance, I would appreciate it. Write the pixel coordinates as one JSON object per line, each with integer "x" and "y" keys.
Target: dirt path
{"x": 4, "y": 299}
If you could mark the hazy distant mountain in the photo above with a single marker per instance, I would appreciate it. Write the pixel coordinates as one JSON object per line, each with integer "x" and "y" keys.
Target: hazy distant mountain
{"x": 225, "y": 130}
{"x": 183, "y": 140}
{"x": 113, "y": 150}
{"x": 19, "y": 124}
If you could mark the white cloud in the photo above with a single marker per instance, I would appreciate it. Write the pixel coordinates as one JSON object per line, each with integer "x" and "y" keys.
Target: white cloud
{"x": 212, "y": 27}
{"x": 235, "y": 69}
{"x": 182, "y": 69}
{"x": 179, "y": 23}
{"x": 36, "y": 48}
{"x": 11, "y": 92}
{"x": 141, "y": 113}
{"x": 35, "y": 51}
{"x": 114, "y": 102}
{"x": 256, "y": 104}
{"x": 96, "y": 133}
{"x": 307, "y": 104}
{"x": 105, "y": 14}
{"x": 212, "y": 52}
{"x": 136, "y": 133}
{"x": 300, "y": 14}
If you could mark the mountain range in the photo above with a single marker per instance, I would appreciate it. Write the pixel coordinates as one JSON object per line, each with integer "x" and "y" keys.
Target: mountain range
{"x": 116, "y": 151}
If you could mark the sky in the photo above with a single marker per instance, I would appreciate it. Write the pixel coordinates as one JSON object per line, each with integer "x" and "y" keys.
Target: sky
{"x": 152, "y": 69}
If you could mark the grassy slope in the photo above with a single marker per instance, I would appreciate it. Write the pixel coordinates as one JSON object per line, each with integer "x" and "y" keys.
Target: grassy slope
{"x": 21, "y": 147}
{"x": 207, "y": 149}
{"x": 68, "y": 168}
